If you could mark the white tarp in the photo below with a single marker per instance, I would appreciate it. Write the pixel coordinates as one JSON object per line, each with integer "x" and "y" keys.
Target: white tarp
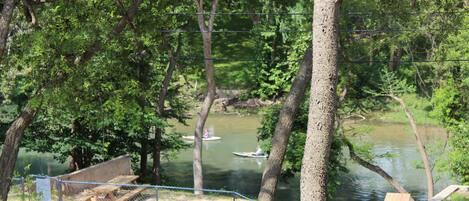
{"x": 43, "y": 188}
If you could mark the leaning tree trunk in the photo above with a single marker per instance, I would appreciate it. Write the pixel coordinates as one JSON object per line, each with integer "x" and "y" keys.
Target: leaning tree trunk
{"x": 206, "y": 30}
{"x": 283, "y": 128}
{"x": 5, "y": 19}
{"x": 374, "y": 168}
{"x": 160, "y": 109}
{"x": 421, "y": 146}
{"x": 322, "y": 102}
{"x": 11, "y": 147}
{"x": 15, "y": 132}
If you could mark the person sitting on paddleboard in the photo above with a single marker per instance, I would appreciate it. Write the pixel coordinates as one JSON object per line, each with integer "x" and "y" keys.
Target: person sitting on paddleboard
{"x": 259, "y": 152}
{"x": 206, "y": 134}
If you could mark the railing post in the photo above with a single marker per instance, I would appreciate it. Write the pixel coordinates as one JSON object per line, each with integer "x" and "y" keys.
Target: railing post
{"x": 23, "y": 188}
{"x": 58, "y": 185}
{"x": 157, "y": 194}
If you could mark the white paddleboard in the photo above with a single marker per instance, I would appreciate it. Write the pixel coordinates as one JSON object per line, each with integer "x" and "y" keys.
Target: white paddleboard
{"x": 204, "y": 139}
{"x": 249, "y": 155}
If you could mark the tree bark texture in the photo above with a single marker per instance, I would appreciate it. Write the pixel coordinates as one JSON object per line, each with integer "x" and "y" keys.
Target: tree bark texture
{"x": 206, "y": 30}
{"x": 160, "y": 109}
{"x": 5, "y": 19}
{"x": 11, "y": 147}
{"x": 395, "y": 59}
{"x": 420, "y": 145}
{"x": 143, "y": 156}
{"x": 322, "y": 102}
{"x": 283, "y": 128}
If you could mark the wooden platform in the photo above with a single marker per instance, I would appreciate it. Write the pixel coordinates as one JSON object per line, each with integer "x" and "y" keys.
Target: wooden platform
{"x": 107, "y": 191}
{"x": 123, "y": 179}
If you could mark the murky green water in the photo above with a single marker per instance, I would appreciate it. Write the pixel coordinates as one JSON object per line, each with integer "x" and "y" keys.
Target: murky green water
{"x": 222, "y": 170}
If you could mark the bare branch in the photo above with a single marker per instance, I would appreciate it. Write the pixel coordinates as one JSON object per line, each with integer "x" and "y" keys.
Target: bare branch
{"x": 374, "y": 168}
{"x": 420, "y": 145}
{"x": 200, "y": 15}
{"x": 212, "y": 14}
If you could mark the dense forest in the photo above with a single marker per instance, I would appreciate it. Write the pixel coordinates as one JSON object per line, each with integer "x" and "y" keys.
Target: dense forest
{"x": 92, "y": 80}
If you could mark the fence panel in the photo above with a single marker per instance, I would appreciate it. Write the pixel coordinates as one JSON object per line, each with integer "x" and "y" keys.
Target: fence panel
{"x": 24, "y": 189}
{"x": 133, "y": 192}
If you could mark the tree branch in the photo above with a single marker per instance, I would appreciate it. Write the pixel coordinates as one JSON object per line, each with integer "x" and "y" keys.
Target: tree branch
{"x": 5, "y": 19}
{"x": 212, "y": 15}
{"x": 29, "y": 12}
{"x": 98, "y": 45}
{"x": 200, "y": 15}
{"x": 420, "y": 145}
{"x": 374, "y": 168}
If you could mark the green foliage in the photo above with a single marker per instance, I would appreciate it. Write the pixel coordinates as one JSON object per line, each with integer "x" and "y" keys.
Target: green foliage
{"x": 105, "y": 107}
{"x": 451, "y": 101}
{"x": 295, "y": 149}
{"x": 451, "y": 109}
{"x": 25, "y": 186}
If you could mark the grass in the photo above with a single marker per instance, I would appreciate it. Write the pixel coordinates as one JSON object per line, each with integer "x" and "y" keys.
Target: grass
{"x": 458, "y": 197}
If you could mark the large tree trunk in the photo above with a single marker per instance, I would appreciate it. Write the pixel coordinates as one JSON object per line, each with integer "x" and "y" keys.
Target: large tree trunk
{"x": 283, "y": 128}
{"x": 421, "y": 146}
{"x": 395, "y": 58}
{"x": 322, "y": 102}
{"x": 5, "y": 19}
{"x": 160, "y": 109}
{"x": 206, "y": 30}
{"x": 15, "y": 132}
{"x": 143, "y": 156}
{"x": 11, "y": 147}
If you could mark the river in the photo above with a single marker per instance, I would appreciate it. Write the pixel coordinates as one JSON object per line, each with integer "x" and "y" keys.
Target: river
{"x": 223, "y": 170}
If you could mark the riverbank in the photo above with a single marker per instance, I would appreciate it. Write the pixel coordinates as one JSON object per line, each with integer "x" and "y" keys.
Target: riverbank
{"x": 391, "y": 112}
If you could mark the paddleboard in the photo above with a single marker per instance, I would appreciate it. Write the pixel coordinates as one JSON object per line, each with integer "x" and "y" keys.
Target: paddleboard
{"x": 249, "y": 155}
{"x": 204, "y": 139}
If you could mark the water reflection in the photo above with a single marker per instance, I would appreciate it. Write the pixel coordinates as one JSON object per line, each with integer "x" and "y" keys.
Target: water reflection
{"x": 40, "y": 164}
{"x": 223, "y": 170}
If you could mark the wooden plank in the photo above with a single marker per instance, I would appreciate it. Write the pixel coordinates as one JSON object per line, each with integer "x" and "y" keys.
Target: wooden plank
{"x": 397, "y": 197}
{"x": 106, "y": 189}
{"x": 131, "y": 194}
{"x": 447, "y": 192}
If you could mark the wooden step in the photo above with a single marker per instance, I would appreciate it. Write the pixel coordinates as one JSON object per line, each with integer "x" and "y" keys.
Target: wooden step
{"x": 131, "y": 194}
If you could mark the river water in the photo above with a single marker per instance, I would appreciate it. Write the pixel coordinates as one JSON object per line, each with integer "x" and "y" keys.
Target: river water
{"x": 223, "y": 170}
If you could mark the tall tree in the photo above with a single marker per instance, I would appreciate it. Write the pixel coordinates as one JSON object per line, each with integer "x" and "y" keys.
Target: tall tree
{"x": 5, "y": 19}
{"x": 15, "y": 132}
{"x": 160, "y": 108}
{"x": 283, "y": 129}
{"x": 206, "y": 28}
{"x": 323, "y": 97}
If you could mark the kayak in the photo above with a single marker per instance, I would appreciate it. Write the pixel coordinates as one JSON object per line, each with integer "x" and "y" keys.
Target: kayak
{"x": 249, "y": 155}
{"x": 204, "y": 139}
